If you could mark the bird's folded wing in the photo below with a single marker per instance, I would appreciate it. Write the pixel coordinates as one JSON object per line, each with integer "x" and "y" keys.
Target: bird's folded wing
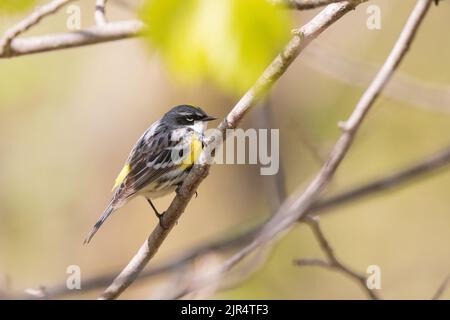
{"x": 153, "y": 156}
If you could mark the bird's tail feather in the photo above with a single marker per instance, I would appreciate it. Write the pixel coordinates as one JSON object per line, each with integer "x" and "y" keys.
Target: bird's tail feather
{"x": 110, "y": 209}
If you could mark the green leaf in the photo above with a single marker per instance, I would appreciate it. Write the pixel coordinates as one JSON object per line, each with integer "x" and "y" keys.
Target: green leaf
{"x": 227, "y": 41}
{"x": 15, "y": 6}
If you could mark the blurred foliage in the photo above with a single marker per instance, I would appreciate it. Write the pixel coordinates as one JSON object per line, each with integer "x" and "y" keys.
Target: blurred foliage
{"x": 227, "y": 41}
{"x": 14, "y": 6}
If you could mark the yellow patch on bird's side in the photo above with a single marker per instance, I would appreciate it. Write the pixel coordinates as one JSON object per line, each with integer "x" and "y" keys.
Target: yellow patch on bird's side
{"x": 195, "y": 151}
{"x": 122, "y": 175}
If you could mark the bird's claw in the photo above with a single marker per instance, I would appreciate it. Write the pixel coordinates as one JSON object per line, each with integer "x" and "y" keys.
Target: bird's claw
{"x": 160, "y": 218}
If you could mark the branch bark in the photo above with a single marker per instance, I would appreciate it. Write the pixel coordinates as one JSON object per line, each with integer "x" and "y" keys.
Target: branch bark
{"x": 277, "y": 68}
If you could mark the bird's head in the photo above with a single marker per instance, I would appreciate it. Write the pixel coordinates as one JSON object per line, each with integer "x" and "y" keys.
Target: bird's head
{"x": 188, "y": 116}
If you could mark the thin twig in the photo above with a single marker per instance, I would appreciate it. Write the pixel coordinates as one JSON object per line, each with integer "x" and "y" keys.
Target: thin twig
{"x": 295, "y": 209}
{"x": 430, "y": 164}
{"x": 277, "y": 68}
{"x": 332, "y": 261}
{"x": 100, "y": 13}
{"x": 442, "y": 287}
{"x": 30, "y": 21}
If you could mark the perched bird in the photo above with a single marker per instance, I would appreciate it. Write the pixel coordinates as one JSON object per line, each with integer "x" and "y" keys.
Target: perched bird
{"x": 160, "y": 160}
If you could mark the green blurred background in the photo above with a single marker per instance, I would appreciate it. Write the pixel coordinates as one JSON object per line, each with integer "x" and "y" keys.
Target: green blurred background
{"x": 69, "y": 118}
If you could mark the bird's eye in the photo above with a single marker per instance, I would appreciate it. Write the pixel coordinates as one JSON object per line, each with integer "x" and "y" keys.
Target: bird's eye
{"x": 189, "y": 119}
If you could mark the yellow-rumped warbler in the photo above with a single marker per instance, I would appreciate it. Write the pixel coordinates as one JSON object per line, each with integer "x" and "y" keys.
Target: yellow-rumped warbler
{"x": 160, "y": 160}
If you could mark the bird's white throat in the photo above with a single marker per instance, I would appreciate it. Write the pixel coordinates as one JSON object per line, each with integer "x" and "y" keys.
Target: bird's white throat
{"x": 198, "y": 127}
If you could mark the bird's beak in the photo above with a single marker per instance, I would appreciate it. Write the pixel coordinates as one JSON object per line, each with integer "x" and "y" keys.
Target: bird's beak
{"x": 209, "y": 118}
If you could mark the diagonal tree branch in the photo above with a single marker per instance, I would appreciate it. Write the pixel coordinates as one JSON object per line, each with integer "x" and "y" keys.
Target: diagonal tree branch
{"x": 295, "y": 209}
{"x": 299, "y": 41}
{"x": 395, "y": 180}
{"x": 332, "y": 262}
{"x": 442, "y": 287}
